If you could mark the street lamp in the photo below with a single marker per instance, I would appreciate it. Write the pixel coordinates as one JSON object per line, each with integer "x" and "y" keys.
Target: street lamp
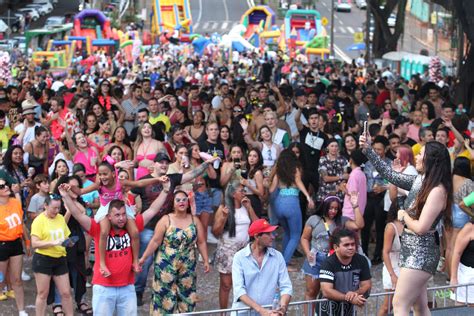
{"x": 332, "y": 28}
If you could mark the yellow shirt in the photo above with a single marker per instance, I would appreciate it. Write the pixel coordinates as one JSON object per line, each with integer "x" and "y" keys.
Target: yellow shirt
{"x": 161, "y": 118}
{"x": 50, "y": 229}
{"x": 5, "y": 134}
{"x": 416, "y": 149}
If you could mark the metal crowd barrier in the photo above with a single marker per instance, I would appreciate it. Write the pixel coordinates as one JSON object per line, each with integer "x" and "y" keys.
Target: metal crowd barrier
{"x": 439, "y": 297}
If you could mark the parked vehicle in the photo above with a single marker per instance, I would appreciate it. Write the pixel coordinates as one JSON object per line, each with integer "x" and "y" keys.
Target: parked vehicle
{"x": 343, "y": 6}
{"x": 32, "y": 12}
{"x": 54, "y": 20}
{"x": 15, "y": 22}
{"x": 42, "y": 7}
{"x": 361, "y": 4}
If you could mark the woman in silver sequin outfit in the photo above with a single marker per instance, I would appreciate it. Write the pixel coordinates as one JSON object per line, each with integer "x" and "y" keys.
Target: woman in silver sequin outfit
{"x": 429, "y": 199}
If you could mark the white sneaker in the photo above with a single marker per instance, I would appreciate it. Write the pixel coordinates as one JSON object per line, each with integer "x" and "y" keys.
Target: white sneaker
{"x": 25, "y": 276}
{"x": 22, "y": 313}
{"x": 88, "y": 284}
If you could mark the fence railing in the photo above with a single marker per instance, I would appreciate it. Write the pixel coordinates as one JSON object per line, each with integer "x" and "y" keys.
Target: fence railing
{"x": 438, "y": 297}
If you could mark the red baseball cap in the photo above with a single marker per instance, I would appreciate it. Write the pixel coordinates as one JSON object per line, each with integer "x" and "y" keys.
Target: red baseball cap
{"x": 261, "y": 226}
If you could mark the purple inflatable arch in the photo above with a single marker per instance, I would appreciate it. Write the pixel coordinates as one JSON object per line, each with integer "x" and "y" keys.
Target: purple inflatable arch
{"x": 86, "y": 13}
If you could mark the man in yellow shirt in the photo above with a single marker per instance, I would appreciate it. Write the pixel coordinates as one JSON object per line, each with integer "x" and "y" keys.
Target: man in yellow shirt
{"x": 156, "y": 114}
{"x": 425, "y": 134}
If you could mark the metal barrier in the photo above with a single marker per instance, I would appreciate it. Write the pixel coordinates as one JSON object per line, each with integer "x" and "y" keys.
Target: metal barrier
{"x": 439, "y": 297}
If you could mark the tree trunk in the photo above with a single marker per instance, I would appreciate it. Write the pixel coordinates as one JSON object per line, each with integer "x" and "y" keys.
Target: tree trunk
{"x": 385, "y": 40}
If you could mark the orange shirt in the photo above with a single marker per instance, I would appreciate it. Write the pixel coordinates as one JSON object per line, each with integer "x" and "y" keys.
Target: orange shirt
{"x": 11, "y": 220}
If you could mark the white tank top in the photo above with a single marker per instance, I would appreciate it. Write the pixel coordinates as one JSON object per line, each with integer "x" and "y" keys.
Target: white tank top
{"x": 242, "y": 223}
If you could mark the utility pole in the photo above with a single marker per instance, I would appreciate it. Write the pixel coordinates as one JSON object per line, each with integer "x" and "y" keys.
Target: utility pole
{"x": 367, "y": 34}
{"x": 332, "y": 29}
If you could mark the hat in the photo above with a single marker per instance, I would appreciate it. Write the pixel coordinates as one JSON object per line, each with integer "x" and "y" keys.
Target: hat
{"x": 161, "y": 156}
{"x": 28, "y": 107}
{"x": 261, "y": 226}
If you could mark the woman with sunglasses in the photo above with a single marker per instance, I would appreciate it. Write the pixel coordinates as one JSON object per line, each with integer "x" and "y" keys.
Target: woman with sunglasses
{"x": 316, "y": 235}
{"x": 12, "y": 234}
{"x": 49, "y": 236}
{"x": 175, "y": 237}
{"x": 231, "y": 226}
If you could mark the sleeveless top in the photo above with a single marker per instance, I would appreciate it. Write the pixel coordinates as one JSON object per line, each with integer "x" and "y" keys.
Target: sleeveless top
{"x": 269, "y": 154}
{"x": 107, "y": 195}
{"x": 467, "y": 257}
{"x": 242, "y": 223}
{"x": 396, "y": 246}
{"x": 278, "y": 136}
{"x": 36, "y": 162}
{"x": 85, "y": 159}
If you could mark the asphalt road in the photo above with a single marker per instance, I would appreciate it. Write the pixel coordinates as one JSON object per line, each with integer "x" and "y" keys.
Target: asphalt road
{"x": 219, "y": 16}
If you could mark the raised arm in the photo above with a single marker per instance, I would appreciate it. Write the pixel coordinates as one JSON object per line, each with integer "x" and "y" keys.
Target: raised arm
{"x": 191, "y": 175}
{"x": 75, "y": 209}
{"x": 157, "y": 204}
{"x": 397, "y": 178}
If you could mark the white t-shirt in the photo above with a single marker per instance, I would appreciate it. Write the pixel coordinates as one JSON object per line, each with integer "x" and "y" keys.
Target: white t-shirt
{"x": 242, "y": 223}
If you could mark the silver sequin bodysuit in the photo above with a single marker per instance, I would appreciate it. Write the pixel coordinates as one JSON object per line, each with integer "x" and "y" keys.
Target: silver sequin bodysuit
{"x": 418, "y": 252}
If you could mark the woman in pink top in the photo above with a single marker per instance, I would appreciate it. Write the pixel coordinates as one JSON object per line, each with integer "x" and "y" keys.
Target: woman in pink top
{"x": 145, "y": 149}
{"x": 357, "y": 182}
{"x": 83, "y": 153}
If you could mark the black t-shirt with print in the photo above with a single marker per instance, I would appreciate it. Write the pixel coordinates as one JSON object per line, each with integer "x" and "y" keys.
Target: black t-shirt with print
{"x": 312, "y": 144}
{"x": 210, "y": 148}
{"x": 149, "y": 194}
{"x": 345, "y": 278}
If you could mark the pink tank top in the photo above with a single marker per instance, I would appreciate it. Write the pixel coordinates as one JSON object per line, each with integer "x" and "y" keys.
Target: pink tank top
{"x": 107, "y": 195}
{"x": 85, "y": 159}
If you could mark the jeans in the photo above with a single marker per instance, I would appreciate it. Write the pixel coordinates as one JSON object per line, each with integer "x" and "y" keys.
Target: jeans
{"x": 140, "y": 279}
{"x": 287, "y": 210}
{"x": 109, "y": 300}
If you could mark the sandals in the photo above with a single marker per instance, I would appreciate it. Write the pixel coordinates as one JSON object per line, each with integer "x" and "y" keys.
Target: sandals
{"x": 84, "y": 309}
{"x": 57, "y": 312}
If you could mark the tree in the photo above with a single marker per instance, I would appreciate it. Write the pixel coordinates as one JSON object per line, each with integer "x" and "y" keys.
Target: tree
{"x": 385, "y": 40}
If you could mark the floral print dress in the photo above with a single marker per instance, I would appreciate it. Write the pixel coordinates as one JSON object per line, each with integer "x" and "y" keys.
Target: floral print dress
{"x": 174, "y": 284}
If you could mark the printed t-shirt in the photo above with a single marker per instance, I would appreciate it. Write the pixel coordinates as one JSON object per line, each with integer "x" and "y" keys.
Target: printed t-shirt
{"x": 11, "y": 224}
{"x": 118, "y": 256}
{"x": 50, "y": 229}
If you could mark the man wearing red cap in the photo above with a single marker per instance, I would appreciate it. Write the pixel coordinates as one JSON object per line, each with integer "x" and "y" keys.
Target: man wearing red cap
{"x": 259, "y": 273}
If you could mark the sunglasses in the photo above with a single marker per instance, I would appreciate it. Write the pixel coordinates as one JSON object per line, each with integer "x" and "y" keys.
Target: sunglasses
{"x": 3, "y": 186}
{"x": 54, "y": 196}
{"x": 179, "y": 200}
{"x": 237, "y": 110}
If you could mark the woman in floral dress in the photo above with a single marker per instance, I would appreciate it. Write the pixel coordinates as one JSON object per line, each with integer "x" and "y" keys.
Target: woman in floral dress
{"x": 174, "y": 284}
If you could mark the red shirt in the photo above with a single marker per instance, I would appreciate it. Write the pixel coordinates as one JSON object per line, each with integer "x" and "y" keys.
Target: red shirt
{"x": 384, "y": 95}
{"x": 119, "y": 256}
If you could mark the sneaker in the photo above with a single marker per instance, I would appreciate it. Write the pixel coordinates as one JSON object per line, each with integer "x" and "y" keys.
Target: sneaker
{"x": 22, "y": 313}
{"x": 139, "y": 299}
{"x": 88, "y": 284}
{"x": 3, "y": 297}
{"x": 10, "y": 294}
{"x": 25, "y": 276}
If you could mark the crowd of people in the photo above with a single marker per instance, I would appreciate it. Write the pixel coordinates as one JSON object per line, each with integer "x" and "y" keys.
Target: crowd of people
{"x": 113, "y": 169}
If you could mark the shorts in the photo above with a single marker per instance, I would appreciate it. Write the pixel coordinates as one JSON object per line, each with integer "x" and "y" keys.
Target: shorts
{"x": 460, "y": 218}
{"x": 225, "y": 254}
{"x": 49, "y": 265}
{"x": 386, "y": 279}
{"x": 313, "y": 271}
{"x": 104, "y": 210}
{"x": 203, "y": 202}
{"x": 216, "y": 197}
{"x": 10, "y": 249}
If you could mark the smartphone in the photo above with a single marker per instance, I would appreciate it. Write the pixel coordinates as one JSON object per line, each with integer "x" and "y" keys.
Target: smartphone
{"x": 366, "y": 130}
{"x": 70, "y": 242}
{"x": 237, "y": 163}
{"x": 244, "y": 174}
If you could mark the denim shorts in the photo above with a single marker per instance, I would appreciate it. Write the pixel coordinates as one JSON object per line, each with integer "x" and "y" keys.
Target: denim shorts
{"x": 203, "y": 202}
{"x": 114, "y": 300}
{"x": 460, "y": 218}
{"x": 216, "y": 197}
{"x": 314, "y": 271}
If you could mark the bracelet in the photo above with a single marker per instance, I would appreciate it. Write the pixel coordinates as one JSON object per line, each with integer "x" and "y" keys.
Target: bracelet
{"x": 27, "y": 243}
{"x": 166, "y": 191}
{"x": 355, "y": 206}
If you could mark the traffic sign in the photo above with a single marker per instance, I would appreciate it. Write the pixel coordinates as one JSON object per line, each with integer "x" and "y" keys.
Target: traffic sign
{"x": 324, "y": 21}
{"x": 358, "y": 37}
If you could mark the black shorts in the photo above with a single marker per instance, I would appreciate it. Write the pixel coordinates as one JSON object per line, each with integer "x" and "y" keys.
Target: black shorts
{"x": 10, "y": 249}
{"x": 49, "y": 265}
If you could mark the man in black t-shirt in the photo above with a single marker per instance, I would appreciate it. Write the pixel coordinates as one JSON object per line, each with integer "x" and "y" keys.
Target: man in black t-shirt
{"x": 214, "y": 147}
{"x": 345, "y": 276}
{"x": 148, "y": 194}
{"x": 313, "y": 142}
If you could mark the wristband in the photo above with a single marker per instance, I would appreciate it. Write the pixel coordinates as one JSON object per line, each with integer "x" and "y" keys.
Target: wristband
{"x": 469, "y": 200}
{"x": 27, "y": 243}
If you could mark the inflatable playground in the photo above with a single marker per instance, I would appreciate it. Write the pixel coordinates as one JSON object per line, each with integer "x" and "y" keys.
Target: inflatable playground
{"x": 172, "y": 17}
